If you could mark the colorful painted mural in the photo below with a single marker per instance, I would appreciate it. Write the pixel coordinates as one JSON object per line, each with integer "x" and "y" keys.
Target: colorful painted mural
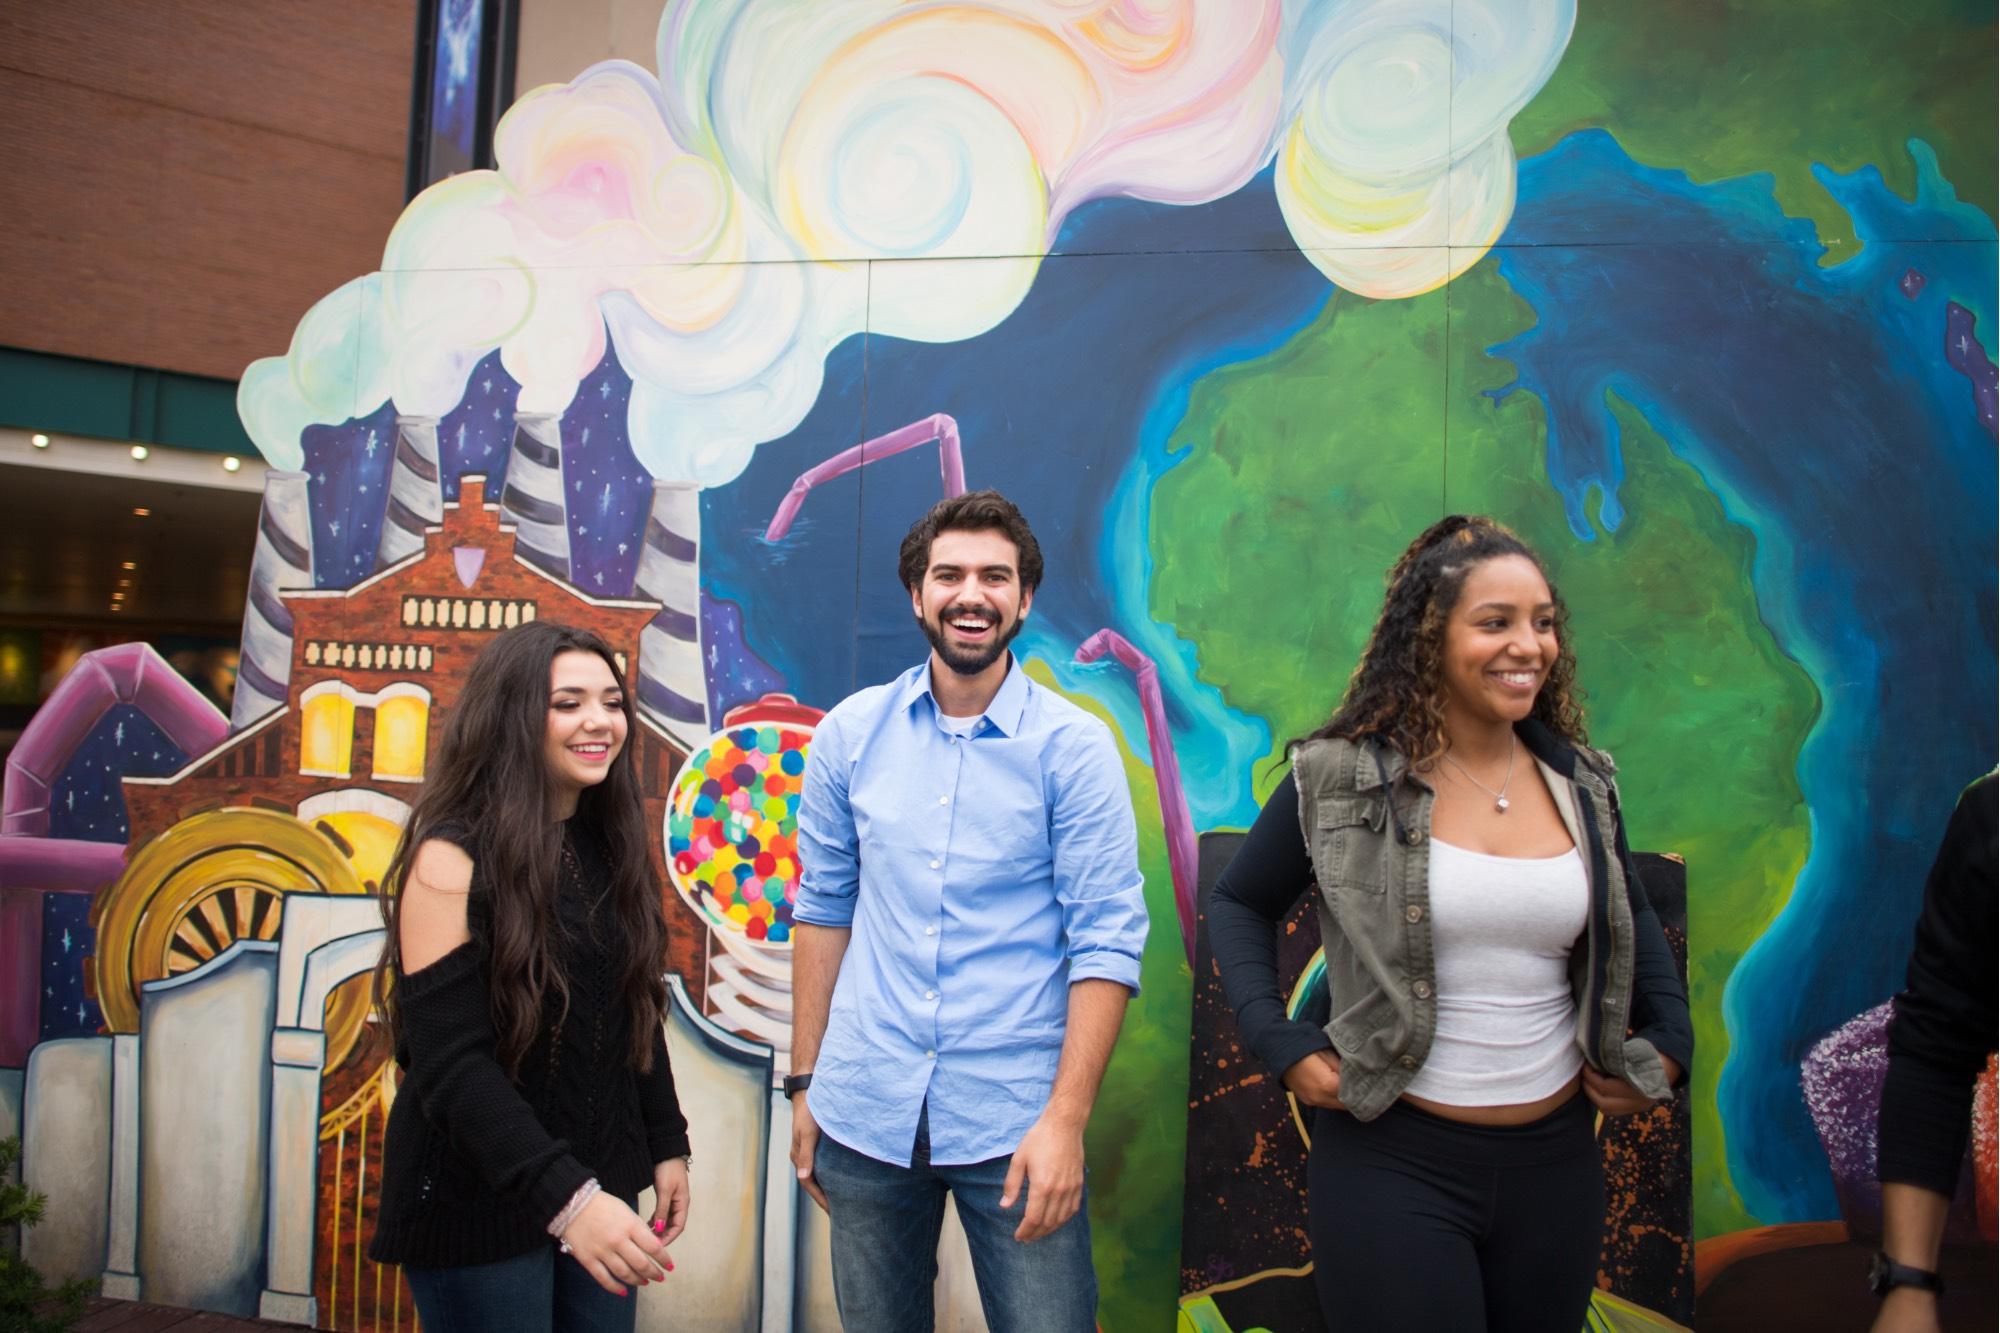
{"x": 1232, "y": 296}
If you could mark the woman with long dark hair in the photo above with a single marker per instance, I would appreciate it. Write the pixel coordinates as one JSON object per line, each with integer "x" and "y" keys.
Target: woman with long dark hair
{"x": 523, "y": 981}
{"x": 1494, "y": 969}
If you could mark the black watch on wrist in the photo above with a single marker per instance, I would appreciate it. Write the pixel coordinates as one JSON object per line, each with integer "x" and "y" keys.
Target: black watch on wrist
{"x": 796, "y": 1083}
{"x": 1885, "y": 1274}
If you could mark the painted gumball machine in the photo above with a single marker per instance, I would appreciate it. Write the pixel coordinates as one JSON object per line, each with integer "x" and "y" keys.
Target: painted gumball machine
{"x": 732, "y": 852}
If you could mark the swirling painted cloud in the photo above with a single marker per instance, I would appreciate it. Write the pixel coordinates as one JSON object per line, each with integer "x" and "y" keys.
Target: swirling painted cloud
{"x": 716, "y": 223}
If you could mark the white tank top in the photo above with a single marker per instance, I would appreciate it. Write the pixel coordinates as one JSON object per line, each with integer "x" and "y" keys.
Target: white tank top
{"x": 1502, "y": 928}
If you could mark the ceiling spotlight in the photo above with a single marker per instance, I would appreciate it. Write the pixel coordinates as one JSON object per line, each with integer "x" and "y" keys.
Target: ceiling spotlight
{"x": 129, "y": 564}
{"x": 117, "y": 596}
{"x": 39, "y": 440}
{"x": 231, "y": 463}
{"x": 139, "y": 452}
{"x": 142, "y": 512}
{"x": 124, "y": 583}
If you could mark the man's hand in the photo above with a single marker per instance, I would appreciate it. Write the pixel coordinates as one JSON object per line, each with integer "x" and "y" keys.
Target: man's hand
{"x": 805, "y": 1144}
{"x": 1614, "y": 1096}
{"x": 1049, "y": 1162}
{"x": 1315, "y": 1080}
{"x": 1907, "y": 1310}
{"x": 614, "y": 1246}
{"x": 670, "y": 1200}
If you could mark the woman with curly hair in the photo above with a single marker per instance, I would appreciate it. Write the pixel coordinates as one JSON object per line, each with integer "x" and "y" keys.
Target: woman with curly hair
{"x": 523, "y": 976}
{"x": 1495, "y": 971}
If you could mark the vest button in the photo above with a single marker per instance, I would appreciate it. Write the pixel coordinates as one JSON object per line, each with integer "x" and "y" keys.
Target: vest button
{"x": 1413, "y": 914}
{"x": 1413, "y": 836}
{"x": 1408, "y": 1062}
{"x": 1421, "y": 989}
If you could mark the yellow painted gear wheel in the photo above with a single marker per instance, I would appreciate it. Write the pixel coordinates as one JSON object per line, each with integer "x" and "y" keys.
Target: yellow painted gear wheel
{"x": 207, "y": 882}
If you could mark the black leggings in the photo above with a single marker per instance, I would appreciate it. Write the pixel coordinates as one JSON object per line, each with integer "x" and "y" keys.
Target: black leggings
{"x": 1426, "y": 1225}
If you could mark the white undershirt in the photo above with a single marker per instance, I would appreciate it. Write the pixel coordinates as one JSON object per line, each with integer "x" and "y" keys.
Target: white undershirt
{"x": 1502, "y": 928}
{"x": 960, "y": 726}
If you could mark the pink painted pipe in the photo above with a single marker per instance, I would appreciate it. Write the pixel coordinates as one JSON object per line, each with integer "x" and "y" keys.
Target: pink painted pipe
{"x": 1182, "y": 854}
{"x": 130, "y": 673}
{"x": 937, "y": 427}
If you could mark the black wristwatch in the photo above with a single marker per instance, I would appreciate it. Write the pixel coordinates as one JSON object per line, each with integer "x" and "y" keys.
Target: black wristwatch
{"x": 796, "y": 1083}
{"x": 1885, "y": 1274}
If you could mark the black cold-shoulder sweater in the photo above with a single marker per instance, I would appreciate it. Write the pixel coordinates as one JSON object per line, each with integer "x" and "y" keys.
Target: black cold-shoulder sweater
{"x": 476, "y": 1164}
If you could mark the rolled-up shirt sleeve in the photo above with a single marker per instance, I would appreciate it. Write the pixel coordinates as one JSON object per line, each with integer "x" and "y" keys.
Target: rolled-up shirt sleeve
{"x": 1095, "y": 851}
{"x": 829, "y": 852}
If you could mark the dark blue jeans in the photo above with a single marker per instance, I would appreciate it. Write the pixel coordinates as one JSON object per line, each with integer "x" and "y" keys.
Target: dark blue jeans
{"x": 886, "y": 1220}
{"x": 540, "y": 1292}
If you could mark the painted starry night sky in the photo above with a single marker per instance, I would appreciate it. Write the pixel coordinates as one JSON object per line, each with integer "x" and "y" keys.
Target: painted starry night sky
{"x": 608, "y": 497}
{"x": 67, "y": 939}
{"x": 88, "y": 804}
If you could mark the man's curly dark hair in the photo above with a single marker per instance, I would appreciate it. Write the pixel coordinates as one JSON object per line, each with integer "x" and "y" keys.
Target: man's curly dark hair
{"x": 975, "y": 511}
{"x": 1396, "y": 694}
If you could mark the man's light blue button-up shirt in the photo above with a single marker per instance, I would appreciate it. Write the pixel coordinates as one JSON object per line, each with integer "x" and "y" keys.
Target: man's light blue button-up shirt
{"x": 981, "y": 877}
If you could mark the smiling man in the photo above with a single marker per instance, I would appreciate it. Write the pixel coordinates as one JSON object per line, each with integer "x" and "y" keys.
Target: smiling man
{"x": 969, "y": 925}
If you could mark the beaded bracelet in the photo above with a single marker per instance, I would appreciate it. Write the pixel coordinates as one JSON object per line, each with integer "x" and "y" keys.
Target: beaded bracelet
{"x": 584, "y": 1193}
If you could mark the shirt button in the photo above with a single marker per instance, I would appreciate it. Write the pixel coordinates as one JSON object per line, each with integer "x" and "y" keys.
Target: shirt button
{"x": 1413, "y": 836}
{"x": 936, "y": 864}
{"x": 930, "y": 1055}
{"x": 944, "y": 800}
{"x": 1421, "y": 989}
{"x": 1411, "y": 914}
{"x": 930, "y": 995}
{"x": 930, "y": 930}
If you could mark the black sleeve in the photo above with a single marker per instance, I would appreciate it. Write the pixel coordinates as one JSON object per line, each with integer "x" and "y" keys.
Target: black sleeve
{"x": 1659, "y": 996}
{"x": 457, "y": 1078}
{"x": 1255, "y": 894}
{"x": 660, "y": 1106}
{"x": 1944, "y": 1023}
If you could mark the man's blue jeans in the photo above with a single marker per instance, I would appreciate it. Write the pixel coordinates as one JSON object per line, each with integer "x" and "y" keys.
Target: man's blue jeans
{"x": 539, "y": 1292}
{"x": 886, "y": 1221}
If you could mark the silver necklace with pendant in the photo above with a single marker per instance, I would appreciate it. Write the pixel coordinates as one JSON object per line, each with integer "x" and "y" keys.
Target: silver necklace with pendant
{"x": 1499, "y": 797}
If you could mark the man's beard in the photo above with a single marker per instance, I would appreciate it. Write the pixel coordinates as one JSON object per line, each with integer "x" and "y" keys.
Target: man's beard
{"x": 964, "y": 662}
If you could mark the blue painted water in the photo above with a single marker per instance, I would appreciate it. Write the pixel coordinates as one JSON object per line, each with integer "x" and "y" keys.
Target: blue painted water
{"x": 1818, "y": 404}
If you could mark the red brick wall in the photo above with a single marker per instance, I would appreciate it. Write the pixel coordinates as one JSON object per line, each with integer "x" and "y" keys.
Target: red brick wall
{"x": 186, "y": 177}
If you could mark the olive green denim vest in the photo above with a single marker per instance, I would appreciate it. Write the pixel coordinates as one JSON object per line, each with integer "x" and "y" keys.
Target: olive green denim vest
{"x": 1367, "y": 824}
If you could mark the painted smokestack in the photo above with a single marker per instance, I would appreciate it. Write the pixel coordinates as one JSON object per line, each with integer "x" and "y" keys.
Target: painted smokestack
{"x": 673, "y": 681}
{"x": 415, "y": 499}
{"x": 283, "y": 560}
{"x": 533, "y": 496}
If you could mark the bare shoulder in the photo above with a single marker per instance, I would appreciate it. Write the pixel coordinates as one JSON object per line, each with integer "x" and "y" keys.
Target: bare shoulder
{"x": 431, "y": 912}
{"x": 440, "y": 866}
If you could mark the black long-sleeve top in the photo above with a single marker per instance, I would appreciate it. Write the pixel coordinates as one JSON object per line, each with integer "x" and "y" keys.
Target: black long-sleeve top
{"x": 1945, "y": 1022}
{"x": 1263, "y": 880}
{"x": 475, "y": 1163}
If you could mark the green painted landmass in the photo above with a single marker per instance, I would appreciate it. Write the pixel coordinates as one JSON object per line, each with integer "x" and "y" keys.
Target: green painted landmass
{"x": 1684, "y": 683}
{"x": 1734, "y": 87}
{"x": 1310, "y": 469}
{"x": 1137, "y": 1140}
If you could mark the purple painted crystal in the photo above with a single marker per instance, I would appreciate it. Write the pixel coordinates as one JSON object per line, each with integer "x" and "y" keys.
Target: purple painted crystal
{"x": 1912, "y": 282}
{"x": 1842, "y": 1080}
{"x": 1969, "y": 358}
